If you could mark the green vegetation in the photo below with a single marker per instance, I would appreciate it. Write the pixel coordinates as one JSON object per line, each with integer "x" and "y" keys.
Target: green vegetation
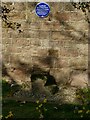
{"x": 41, "y": 108}
{"x": 83, "y": 96}
{"x": 44, "y": 109}
{"x": 29, "y": 110}
{"x": 6, "y": 19}
{"x": 8, "y": 90}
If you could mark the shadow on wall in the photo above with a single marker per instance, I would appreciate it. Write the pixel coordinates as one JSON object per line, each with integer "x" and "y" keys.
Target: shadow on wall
{"x": 35, "y": 73}
{"x": 51, "y": 58}
{"x": 79, "y": 37}
{"x": 5, "y": 73}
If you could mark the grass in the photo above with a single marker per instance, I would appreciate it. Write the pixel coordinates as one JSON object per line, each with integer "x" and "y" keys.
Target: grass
{"x": 19, "y": 110}
{"x": 28, "y": 110}
{"x": 7, "y": 90}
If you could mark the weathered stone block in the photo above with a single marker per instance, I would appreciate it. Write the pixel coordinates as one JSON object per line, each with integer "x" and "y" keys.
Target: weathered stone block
{"x": 61, "y": 75}
{"x": 57, "y": 35}
{"x": 77, "y": 26}
{"x": 21, "y": 42}
{"x": 44, "y": 35}
{"x": 15, "y": 34}
{"x": 79, "y": 80}
{"x": 34, "y": 25}
{"x": 61, "y": 16}
{"x": 21, "y": 6}
{"x": 39, "y": 52}
{"x": 45, "y": 43}
{"x": 6, "y": 41}
{"x": 30, "y": 34}
{"x": 46, "y": 26}
{"x": 79, "y": 62}
{"x": 77, "y": 16}
{"x": 57, "y": 26}
{"x": 6, "y": 33}
{"x": 16, "y": 15}
{"x": 35, "y": 42}
{"x": 62, "y": 62}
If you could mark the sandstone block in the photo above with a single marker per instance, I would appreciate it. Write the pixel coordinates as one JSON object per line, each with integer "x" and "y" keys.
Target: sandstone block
{"x": 61, "y": 75}
{"x": 20, "y": 42}
{"x": 44, "y": 35}
{"x": 30, "y": 34}
{"x": 79, "y": 80}
{"x": 77, "y": 16}
{"x": 46, "y": 26}
{"x": 57, "y": 35}
{"x": 20, "y": 7}
{"x": 79, "y": 62}
{"x": 61, "y": 16}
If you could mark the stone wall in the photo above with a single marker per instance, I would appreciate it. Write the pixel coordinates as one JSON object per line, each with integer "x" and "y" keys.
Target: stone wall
{"x": 57, "y": 44}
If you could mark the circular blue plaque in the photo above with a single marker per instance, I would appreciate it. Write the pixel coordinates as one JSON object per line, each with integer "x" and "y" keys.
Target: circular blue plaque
{"x": 42, "y": 9}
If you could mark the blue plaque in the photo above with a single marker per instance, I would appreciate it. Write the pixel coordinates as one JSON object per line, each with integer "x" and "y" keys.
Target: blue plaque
{"x": 42, "y": 9}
